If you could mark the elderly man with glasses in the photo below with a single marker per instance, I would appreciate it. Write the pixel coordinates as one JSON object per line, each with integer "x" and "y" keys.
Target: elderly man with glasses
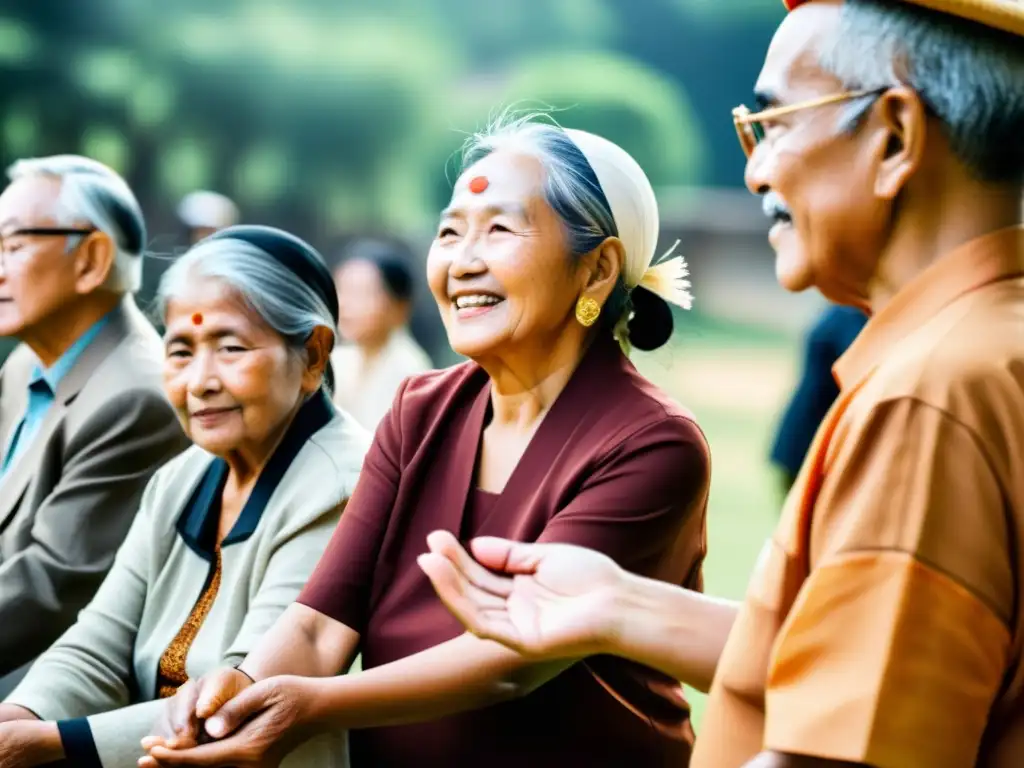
{"x": 83, "y": 421}
{"x": 883, "y": 623}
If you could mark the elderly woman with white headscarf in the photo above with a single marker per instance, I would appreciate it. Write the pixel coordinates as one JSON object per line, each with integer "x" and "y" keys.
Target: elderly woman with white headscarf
{"x": 541, "y": 269}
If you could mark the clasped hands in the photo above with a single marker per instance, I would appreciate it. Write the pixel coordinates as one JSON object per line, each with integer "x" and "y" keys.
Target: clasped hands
{"x": 225, "y": 719}
{"x": 545, "y": 601}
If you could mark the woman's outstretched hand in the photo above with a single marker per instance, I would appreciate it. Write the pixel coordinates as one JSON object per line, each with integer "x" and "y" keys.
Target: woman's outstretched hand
{"x": 546, "y": 601}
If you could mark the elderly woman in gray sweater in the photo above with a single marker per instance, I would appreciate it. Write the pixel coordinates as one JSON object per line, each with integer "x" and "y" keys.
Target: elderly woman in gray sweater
{"x": 228, "y": 532}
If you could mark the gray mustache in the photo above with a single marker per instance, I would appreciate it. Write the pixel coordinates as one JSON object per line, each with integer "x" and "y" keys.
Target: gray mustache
{"x": 774, "y": 208}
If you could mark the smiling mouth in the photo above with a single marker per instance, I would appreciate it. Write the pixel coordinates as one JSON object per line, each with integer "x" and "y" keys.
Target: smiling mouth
{"x": 475, "y": 303}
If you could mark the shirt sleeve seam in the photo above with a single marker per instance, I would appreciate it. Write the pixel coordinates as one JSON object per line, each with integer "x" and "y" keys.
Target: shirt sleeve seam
{"x": 631, "y": 431}
{"x": 846, "y": 554}
{"x": 975, "y": 437}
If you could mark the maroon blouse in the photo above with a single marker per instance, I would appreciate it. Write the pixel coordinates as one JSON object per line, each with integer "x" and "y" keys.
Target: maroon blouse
{"x": 615, "y": 466}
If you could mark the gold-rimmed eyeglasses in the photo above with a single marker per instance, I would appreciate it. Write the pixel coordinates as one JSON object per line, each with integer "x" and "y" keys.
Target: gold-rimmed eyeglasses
{"x": 750, "y": 125}
{"x": 8, "y": 239}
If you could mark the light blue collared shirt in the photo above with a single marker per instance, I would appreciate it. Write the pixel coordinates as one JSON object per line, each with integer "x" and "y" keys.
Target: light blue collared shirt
{"x": 42, "y": 389}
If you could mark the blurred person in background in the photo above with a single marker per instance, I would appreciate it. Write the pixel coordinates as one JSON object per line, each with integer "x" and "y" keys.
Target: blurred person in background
{"x": 375, "y": 290}
{"x": 83, "y": 421}
{"x": 833, "y": 332}
{"x": 882, "y": 624}
{"x": 228, "y": 532}
{"x": 204, "y": 212}
{"x": 541, "y": 269}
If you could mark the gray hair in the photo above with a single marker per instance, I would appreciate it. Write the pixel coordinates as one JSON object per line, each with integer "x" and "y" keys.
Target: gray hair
{"x": 571, "y": 187}
{"x": 91, "y": 192}
{"x": 275, "y": 293}
{"x": 969, "y": 76}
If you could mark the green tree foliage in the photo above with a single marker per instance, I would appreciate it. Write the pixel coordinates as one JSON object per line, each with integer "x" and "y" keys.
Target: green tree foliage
{"x": 621, "y": 99}
{"x": 330, "y": 117}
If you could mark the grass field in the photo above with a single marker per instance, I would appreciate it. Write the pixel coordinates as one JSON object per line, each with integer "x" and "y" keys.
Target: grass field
{"x": 735, "y": 379}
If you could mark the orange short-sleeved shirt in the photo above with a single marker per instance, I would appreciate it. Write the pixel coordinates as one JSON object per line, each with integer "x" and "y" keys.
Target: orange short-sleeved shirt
{"x": 882, "y": 624}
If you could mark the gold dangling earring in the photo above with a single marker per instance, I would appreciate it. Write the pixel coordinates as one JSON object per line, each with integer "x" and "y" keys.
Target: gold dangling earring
{"x": 587, "y": 311}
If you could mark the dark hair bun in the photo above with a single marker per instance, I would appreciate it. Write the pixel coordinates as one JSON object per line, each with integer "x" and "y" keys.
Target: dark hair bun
{"x": 652, "y": 322}
{"x": 392, "y": 262}
{"x": 397, "y": 277}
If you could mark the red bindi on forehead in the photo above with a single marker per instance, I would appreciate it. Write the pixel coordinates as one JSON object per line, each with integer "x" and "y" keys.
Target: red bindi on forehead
{"x": 197, "y": 318}
{"x": 478, "y": 184}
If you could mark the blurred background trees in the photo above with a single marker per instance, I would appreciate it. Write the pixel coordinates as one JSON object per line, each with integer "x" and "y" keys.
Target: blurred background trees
{"x": 331, "y": 117}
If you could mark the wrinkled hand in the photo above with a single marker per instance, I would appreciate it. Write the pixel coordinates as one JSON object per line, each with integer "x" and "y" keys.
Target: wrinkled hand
{"x": 22, "y": 744}
{"x": 14, "y": 748}
{"x": 257, "y": 728}
{"x": 181, "y": 724}
{"x": 545, "y": 601}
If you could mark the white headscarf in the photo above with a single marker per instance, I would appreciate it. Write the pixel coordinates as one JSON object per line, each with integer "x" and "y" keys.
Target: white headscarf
{"x": 631, "y": 197}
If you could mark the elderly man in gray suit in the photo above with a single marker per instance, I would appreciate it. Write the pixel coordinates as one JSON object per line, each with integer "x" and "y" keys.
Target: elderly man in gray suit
{"x": 83, "y": 420}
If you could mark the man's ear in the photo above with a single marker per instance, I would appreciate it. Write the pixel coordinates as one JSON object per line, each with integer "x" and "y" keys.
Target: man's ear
{"x": 93, "y": 261}
{"x": 900, "y": 125}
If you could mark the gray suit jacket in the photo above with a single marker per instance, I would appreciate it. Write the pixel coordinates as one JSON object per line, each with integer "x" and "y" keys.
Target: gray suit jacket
{"x": 67, "y": 502}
